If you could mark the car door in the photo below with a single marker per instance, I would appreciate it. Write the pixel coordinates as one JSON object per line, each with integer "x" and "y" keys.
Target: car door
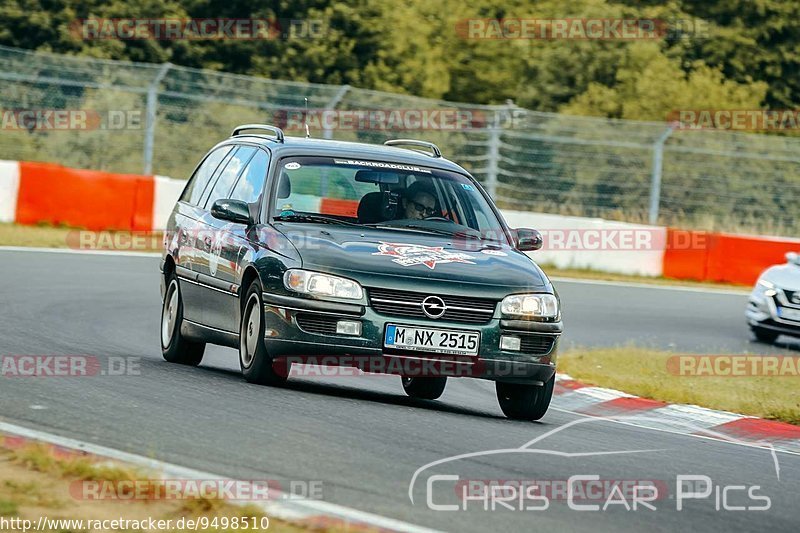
{"x": 188, "y": 217}
{"x": 222, "y": 248}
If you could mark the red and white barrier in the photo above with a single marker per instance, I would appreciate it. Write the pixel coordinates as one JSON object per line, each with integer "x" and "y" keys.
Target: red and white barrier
{"x": 9, "y": 188}
{"x": 32, "y": 193}
{"x": 595, "y": 243}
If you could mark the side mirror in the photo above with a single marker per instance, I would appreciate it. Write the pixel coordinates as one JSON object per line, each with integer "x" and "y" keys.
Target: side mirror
{"x": 232, "y": 211}
{"x": 793, "y": 257}
{"x": 528, "y": 240}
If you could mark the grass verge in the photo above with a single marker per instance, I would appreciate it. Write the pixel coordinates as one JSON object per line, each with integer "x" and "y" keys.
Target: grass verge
{"x": 35, "y": 482}
{"x": 43, "y": 236}
{"x": 653, "y": 374}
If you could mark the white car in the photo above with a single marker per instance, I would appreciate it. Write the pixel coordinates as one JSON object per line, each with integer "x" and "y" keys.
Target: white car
{"x": 774, "y": 306}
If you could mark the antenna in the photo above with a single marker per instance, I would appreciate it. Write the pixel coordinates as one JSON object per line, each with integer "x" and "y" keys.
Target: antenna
{"x": 305, "y": 119}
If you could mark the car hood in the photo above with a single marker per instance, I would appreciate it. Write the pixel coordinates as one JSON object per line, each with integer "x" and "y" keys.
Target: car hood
{"x": 406, "y": 260}
{"x": 786, "y": 276}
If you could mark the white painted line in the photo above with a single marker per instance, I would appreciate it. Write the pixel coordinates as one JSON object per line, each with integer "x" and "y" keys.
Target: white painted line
{"x": 599, "y": 394}
{"x": 287, "y": 509}
{"x": 643, "y": 285}
{"x": 77, "y": 252}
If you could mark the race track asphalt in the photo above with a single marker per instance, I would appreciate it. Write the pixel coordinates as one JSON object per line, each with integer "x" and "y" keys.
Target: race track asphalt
{"x": 360, "y": 436}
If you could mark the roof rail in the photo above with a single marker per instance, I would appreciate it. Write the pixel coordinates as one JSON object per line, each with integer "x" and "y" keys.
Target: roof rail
{"x": 435, "y": 152}
{"x": 276, "y": 131}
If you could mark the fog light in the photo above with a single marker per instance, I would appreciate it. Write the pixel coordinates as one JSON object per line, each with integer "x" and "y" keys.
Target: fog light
{"x": 510, "y": 343}
{"x": 348, "y": 327}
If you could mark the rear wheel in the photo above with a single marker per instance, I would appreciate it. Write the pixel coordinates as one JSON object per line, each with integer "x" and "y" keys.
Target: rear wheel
{"x": 525, "y": 402}
{"x": 175, "y": 348}
{"x": 424, "y": 388}
{"x": 765, "y": 335}
{"x": 255, "y": 362}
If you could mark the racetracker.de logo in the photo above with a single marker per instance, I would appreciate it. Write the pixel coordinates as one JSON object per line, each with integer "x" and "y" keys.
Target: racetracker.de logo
{"x": 196, "y": 29}
{"x": 55, "y": 366}
{"x": 735, "y": 119}
{"x": 174, "y": 489}
{"x": 580, "y": 29}
{"x": 384, "y": 119}
{"x": 733, "y": 366}
{"x": 69, "y": 119}
{"x": 327, "y": 366}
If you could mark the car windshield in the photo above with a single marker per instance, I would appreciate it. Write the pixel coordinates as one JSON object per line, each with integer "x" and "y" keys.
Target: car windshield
{"x": 384, "y": 194}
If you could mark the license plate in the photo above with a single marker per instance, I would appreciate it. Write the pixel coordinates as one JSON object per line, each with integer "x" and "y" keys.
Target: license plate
{"x": 443, "y": 341}
{"x": 789, "y": 314}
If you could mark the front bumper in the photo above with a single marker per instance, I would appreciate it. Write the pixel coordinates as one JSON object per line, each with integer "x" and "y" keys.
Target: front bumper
{"x": 289, "y": 338}
{"x": 766, "y": 313}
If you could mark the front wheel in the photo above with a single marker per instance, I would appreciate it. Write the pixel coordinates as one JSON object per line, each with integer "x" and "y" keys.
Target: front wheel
{"x": 175, "y": 348}
{"x": 424, "y": 388}
{"x": 764, "y": 335}
{"x": 525, "y": 402}
{"x": 255, "y": 362}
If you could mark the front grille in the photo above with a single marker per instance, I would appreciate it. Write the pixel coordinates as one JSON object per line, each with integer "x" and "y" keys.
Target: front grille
{"x": 462, "y": 309}
{"x": 789, "y": 295}
{"x": 324, "y": 325}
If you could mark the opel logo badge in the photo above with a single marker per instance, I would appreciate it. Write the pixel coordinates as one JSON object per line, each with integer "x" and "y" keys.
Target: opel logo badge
{"x": 796, "y": 297}
{"x": 433, "y": 307}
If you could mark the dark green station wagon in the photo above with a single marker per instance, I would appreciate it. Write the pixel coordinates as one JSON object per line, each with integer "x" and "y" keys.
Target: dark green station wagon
{"x": 388, "y": 258}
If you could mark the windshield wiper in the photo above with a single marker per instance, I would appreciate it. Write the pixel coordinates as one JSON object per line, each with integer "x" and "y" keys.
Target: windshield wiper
{"x": 309, "y": 217}
{"x": 417, "y": 227}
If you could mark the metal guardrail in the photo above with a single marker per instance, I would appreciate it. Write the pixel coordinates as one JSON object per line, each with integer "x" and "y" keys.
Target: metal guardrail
{"x": 624, "y": 170}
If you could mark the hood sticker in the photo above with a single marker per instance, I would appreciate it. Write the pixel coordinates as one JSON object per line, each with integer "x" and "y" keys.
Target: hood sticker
{"x": 414, "y": 254}
{"x": 494, "y": 252}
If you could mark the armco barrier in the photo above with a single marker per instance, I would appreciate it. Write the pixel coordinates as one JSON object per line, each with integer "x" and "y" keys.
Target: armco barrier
{"x": 31, "y": 193}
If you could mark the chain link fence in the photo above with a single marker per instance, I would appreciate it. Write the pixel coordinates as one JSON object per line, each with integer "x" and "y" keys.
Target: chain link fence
{"x": 147, "y": 118}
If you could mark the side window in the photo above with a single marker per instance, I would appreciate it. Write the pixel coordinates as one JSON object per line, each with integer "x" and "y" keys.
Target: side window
{"x": 227, "y": 177}
{"x": 198, "y": 182}
{"x": 250, "y": 185}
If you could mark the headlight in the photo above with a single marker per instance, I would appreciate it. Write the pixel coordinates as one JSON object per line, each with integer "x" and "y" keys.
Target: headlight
{"x": 763, "y": 289}
{"x": 318, "y": 284}
{"x": 532, "y": 305}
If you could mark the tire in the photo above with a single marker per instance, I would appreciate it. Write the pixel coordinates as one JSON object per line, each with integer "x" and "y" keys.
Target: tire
{"x": 255, "y": 362}
{"x": 424, "y": 388}
{"x": 765, "y": 335}
{"x": 525, "y": 402}
{"x": 175, "y": 348}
